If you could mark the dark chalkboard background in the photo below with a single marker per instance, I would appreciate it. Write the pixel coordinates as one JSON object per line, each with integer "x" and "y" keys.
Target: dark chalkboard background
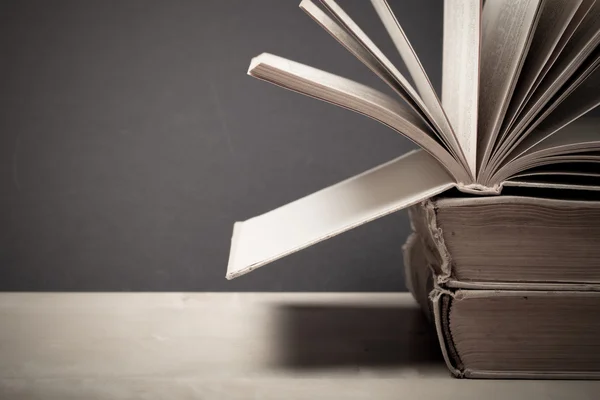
{"x": 131, "y": 139}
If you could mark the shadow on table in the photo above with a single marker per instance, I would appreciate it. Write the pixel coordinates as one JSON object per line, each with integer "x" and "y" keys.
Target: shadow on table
{"x": 318, "y": 335}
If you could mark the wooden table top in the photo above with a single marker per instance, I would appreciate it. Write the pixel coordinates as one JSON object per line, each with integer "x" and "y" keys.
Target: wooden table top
{"x": 234, "y": 346}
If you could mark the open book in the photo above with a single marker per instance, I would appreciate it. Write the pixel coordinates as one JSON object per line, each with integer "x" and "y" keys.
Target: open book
{"x": 517, "y": 75}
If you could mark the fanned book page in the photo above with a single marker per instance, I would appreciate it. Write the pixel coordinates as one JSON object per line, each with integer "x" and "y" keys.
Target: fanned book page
{"x": 517, "y": 77}
{"x": 460, "y": 84}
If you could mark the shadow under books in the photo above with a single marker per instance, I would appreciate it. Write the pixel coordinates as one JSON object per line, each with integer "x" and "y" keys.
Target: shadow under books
{"x": 329, "y": 336}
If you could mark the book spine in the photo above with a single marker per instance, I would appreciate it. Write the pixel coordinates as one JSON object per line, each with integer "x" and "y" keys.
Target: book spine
{"x": 441, "y": 300}
{"x": 423, "y": 221}
{"x": 432, "y": 298}
{"x": 418, "y": 273}
{"x": 476, "y": 188}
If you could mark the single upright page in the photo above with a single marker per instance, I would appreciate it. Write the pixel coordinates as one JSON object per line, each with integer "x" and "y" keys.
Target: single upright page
{"x": 395, "y": 185}
{"x": 460, "y": 72}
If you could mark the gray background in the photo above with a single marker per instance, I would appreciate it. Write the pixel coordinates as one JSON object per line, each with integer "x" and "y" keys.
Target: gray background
{"x": 131, "y": 139}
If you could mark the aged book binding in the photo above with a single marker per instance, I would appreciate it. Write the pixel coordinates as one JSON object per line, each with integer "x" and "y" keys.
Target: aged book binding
{"x": 517, "y": 75}
{"x": 486, "y": 242}
{"x": 519, "y": 328}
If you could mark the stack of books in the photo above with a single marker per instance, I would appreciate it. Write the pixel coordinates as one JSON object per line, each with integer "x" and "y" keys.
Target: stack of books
{"x": 511, "y": 282}
{"x": 503, "y": 194}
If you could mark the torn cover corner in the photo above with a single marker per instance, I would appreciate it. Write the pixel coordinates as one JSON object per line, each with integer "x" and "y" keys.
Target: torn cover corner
{"x": 397, "y": 184}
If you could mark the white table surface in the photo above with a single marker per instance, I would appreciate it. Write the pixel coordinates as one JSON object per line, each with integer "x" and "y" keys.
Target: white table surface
{"x": 234, "y": 346}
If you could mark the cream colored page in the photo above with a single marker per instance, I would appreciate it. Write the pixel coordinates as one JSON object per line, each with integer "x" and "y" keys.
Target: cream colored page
{"x": 367, "y": 58}
{"x": 353, "y": 28}
{"x": 593, "y": 172}
{"x": 558, "y": 172}
{"x": 578, "y": 18}
{"x": 554, "y": 20}
{"x": 395, "y": 185}
{"x": 581, "y": 136}
{"x": 585, "y": 39}
{"x": 460, "y": 72}
{"x": 419, "y": 76}
{"x": 532, "y": 183}
{"x": 324, "y": 85}
{"x": 579, "y": 97}
{"x": 507, "y": 31}
{"x": 555, "y": 115}
{"x": 356, "y": 97}
{"x": 374, "y": 50}
{"x": 583, "y": 99}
